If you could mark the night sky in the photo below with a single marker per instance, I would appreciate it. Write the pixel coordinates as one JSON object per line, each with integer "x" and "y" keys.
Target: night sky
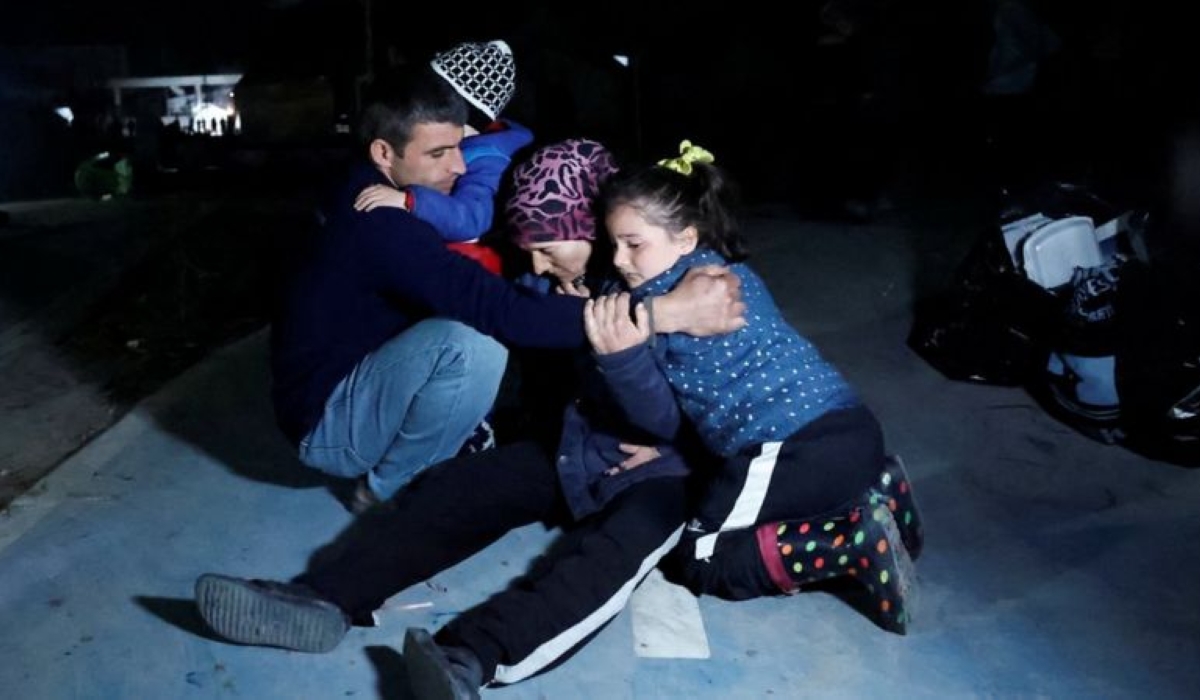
{"x": 735, "y": 76}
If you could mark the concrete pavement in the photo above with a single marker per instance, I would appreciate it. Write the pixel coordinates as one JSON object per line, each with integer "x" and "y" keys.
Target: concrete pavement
{"x": 1055, "y": 566}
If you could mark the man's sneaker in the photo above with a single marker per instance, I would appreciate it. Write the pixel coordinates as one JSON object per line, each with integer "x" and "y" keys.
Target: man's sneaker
{"x": 270, "y": 613}
{"x": 484, "y": 438}
{"x": 440, "y": 673}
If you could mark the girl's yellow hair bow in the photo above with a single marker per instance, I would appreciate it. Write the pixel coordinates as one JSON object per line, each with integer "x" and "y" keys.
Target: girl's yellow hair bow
{"x": 688, "y": 154}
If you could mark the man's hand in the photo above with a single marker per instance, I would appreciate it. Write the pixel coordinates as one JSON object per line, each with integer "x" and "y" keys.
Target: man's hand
{"x": 379, "y": 196}
{"x": 707, "y": 301}
{"x": 608, "y": 327}
{"x": 638, "y": 455}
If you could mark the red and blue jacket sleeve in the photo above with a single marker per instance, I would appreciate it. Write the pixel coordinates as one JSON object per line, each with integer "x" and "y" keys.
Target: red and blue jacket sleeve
{"x": 467, "y": 212}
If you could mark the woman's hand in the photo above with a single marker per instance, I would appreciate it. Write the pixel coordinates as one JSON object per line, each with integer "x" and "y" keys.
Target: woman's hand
{"x": 608, "y": 326}
{"x": 379, "y": 196}
{"x": 574, "y": 288}
{"x": 638, "y": 455}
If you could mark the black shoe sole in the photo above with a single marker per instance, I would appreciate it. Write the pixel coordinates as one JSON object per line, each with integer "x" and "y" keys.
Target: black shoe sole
{"x": 429, "y": 673}
{"x": 249, "y": 613}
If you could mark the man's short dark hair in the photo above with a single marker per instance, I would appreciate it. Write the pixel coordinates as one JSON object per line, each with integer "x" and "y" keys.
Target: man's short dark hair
{"x": 407, "y": 97}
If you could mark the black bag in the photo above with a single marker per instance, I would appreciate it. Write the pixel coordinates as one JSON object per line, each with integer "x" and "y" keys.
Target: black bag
{"x": 1158, "y": 364}
{"x": 990, "y": 326}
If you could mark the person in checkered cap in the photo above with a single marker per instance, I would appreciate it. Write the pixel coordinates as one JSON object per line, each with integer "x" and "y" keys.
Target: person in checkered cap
{"x": 484, "y": 75}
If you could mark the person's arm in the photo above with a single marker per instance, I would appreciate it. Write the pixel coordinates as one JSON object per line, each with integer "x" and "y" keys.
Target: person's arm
{"x": 467, "y": 212}
{"x": 416, "y": 268}
{"x": 381, "y": 196}
{"x": 642, "y": 391}
{"x": 707, "y": 301}
{"x": 462, "y": 216}
{"x": 412, "y": 267}
{"x": 626, "y": 362}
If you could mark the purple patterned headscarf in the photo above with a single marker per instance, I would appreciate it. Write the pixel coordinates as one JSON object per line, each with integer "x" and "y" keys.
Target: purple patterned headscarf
{"x": 555, "y": 192}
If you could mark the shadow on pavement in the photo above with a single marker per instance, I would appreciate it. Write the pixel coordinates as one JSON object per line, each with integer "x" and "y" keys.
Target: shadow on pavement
{"x": 180, "y": 613}
{"x": 223, "y": 408}
{"x": 393, "y": 676}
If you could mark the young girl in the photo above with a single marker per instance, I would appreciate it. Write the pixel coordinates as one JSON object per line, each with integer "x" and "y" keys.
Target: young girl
{"x": 803, "y": 491}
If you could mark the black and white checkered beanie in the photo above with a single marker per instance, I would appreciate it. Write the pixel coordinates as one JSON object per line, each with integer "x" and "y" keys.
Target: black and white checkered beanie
{"x": 485, "y": 74}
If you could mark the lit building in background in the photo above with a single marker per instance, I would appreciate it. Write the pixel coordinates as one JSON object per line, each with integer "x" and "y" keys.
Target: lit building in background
{"x": 199, "y": 104}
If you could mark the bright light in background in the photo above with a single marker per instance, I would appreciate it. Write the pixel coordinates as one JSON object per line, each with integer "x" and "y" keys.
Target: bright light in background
{"x": 208, "y": 110}
{"x": 215, "y": 119}
{"x": 622, "y": 59}
{"x": 66, "y": 113}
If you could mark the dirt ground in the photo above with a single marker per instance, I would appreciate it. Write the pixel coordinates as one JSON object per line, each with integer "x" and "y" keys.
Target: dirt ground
{"x": 101, "y": 303}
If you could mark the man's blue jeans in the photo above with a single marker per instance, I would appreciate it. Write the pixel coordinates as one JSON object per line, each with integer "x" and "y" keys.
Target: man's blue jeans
{"x": 408, "y": 405}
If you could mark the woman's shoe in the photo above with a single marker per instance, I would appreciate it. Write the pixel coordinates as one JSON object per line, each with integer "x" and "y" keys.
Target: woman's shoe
{"x": 270, "y": 613}
{"x": 436, "y": 672}
{"x": 864, "y": 543}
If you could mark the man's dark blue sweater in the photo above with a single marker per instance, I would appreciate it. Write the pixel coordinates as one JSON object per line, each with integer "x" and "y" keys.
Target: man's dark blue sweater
{"x": 366, "y": 277}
